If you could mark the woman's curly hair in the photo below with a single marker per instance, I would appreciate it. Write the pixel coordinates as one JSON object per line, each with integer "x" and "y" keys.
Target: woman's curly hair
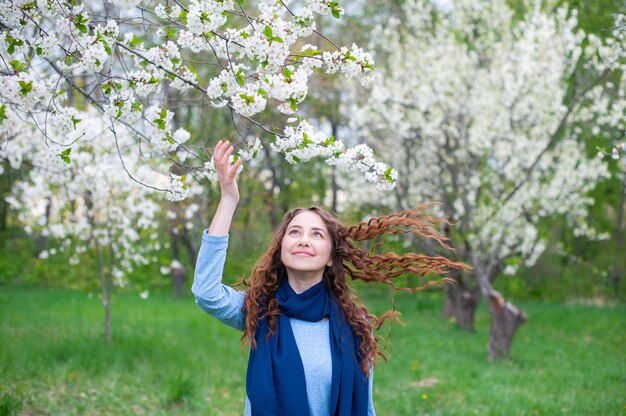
{"x": 350, "y": 260}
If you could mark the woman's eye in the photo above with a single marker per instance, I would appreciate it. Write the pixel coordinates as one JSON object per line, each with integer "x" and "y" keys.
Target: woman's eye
{"x": 293, "y": 232}
{"x": 317, "y": 234}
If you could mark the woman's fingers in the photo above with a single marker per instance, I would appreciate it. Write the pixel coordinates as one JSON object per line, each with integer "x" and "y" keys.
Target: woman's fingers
{"x": 217, "y": 152}
{"x": 226, "y": 156}
{"x": 221, "y": 155}
{"x": 233, "y": 169}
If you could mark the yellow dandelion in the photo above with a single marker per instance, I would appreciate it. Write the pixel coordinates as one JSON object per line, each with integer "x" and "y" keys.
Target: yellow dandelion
{"x": 424, "y": 396}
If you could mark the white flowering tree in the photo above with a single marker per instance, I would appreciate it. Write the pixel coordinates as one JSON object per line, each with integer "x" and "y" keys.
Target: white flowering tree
{"x": 90, "y": 91}
{"x": 85, "y": 200}
{"x": 483, "y": 112}
{"x": 125, "y": 59}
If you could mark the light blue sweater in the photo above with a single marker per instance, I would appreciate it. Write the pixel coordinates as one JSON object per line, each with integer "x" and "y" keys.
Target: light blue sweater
{"x": 225, "y": 304}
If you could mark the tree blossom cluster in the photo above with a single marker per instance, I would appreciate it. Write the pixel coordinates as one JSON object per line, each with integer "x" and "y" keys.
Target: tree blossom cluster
{"x": 302, "y": 143}
{"x": 85, "y": 200}
{"x": 124, "y": 69}
{"x": 475, "y": 104}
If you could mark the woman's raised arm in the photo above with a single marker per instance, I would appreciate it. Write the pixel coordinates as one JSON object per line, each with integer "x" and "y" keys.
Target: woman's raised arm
{"x": 228, "y": 188}
{"x": 215, "y": 298}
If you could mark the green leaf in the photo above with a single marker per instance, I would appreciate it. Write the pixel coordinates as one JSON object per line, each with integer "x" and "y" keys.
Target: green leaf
{"x": 240, "y": 3}
{"x": 15, "y": 64}
{"x": 268, "y": 32}
{"x": 29, "y": 6}
{"x": 278, "y": 39}
{"x": 26, "y": 87}
{"x": 119, "y": 109}
{"x": 264, "y": 64}
{"x": 11, "y": 49}
{"x": 239, "y": 77}
{"x": 288, "y": 73}
{"x": 336, "y": 13}
{"x": 75, "y": 121}
{"x": 82, "y": 28}
{"x": 3, "y": 115}
{"x": 296, "y": 159}
{"x": 39, "y": 51}
{"x": 183, "y": 16}
{"x": 160, "y": 123}
{"x": 163, "y": 113}
{"x": 106, "y": 87}
{"x": 193, "y": 71}
{"x": 170, "y": 32}
{"x": 388, "y": 175}
{"x": 247, "y": 98}
{"x": 330, "y": 141}
{"x": 135, "y": 42}
{"x": 65, "y": 155}
{"x": 312, "y": 52}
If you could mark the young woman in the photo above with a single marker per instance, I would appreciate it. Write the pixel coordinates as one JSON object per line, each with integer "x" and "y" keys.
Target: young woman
{"x": 312, "y": 347}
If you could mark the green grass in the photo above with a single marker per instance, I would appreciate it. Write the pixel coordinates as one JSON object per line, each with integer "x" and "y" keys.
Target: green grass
{"x": 168, "y": 357}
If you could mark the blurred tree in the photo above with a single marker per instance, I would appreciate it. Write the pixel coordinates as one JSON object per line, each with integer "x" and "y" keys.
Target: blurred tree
{"x": 477, "y": 108}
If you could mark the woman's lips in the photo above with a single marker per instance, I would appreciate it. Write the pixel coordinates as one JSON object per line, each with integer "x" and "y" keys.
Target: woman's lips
{"x": 302, "y": 254}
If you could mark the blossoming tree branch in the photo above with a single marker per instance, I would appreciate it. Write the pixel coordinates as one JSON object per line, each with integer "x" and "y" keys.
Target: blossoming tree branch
{"x": 120, "y": 58}
{"x": 89, "y": 97}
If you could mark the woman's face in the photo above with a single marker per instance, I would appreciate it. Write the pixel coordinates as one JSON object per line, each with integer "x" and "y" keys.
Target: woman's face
{"x": 306, "y": 245}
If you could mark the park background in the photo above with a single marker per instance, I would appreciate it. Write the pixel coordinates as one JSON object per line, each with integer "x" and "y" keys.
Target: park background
{"x": 158, "y": 353}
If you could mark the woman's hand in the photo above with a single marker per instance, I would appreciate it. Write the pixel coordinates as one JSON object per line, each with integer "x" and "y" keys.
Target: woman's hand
{"x": 225, "y": 173}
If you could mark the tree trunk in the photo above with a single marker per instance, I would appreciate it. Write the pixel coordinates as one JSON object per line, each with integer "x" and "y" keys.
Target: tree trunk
{"x": 505, "y": 319}
{"x": 461, "y": 305}
{"x": 333, "y": 173}
{"x": 178, "y": 279}
{"x": 192, "y": 251}
{"x": 106, "y": 294}
{"x": 41, "y": 241}
{"x": 615, "y": 274}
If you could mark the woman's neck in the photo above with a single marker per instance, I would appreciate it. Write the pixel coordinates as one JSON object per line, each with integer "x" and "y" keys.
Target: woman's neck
{"x": 302, "y": 281}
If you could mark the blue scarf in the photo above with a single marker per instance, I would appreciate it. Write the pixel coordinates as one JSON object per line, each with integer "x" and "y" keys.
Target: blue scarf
{"x": 275, "y": 381}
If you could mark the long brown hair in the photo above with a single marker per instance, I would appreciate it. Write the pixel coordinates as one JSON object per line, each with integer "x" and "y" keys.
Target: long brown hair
{"x": 350, "y": 260}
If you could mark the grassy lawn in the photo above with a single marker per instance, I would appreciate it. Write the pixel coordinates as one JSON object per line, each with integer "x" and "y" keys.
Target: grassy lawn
{"x": 168, "y": 357}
